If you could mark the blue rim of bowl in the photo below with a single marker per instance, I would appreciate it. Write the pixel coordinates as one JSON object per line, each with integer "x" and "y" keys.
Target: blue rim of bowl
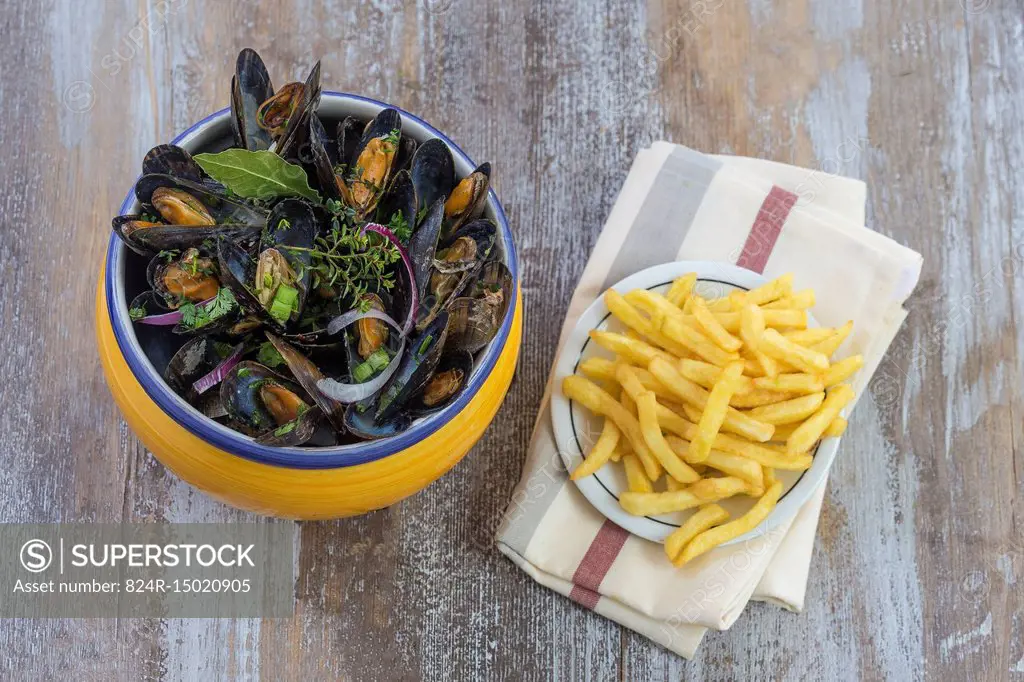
{"x": 294, "y": 457}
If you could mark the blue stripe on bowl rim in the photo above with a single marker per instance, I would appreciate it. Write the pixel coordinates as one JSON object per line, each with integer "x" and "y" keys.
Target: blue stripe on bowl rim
{"x": 240, "y": 445}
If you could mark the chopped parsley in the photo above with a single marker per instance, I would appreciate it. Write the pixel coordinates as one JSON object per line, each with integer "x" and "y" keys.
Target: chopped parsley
{"x": 269, "y": 356}
{"x": 196, "y": 317}
{"x": 137, "y": 313}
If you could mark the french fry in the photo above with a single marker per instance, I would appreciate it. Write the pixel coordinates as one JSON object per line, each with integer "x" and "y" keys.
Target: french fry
{"x": 762, "y": 454}
{"x": 788, "y": 411}
{"x": 758, "y": 397}
{"x": 779, "y": 347}
{"x": 835, "y": 429}
{"x": 769, "y": 477}
{"x": 697, "y": 343}
{"x": 784, "y": 431}
{"x": 830, "y": 345}
{"x": 792, "y": 383}
{"x": 713, "y": 328}
{"x": 766, "y": 293}
{"x": 705, "y": 374}
{"x": 681, "y": 289}
{"x": 810, "y": 336}
{"x": 711, "y": 489}
{"x": 811, "y": 430}
{"x": 773, "y": 319}
{"x": 600, "y": 453}
{"x": 800, "y": 300}
{"x": 719, "y": 305}
{"x": 598, "y": 401}
{"x": 631, "y": 317}
{"x": 727, "y": 463}
{"x": 636, "y": 477}
{"x": 842, "y": 370}
{"x": 752, "y": 331}
{"x": 708, "y": 516}
{"x": 652, "y": 504}
{"x": 689, "y": 392}
{"x": 715, "y": 412}
{"x": 616, "y": 455}
{"x": 647, "y": 406}
{"x": 604, "y": 369}
{"x": 637, "y": 351}
{"x": 672, "y": 484}
{"x": 714, "y": 537}
{"x": 654, "y": 304}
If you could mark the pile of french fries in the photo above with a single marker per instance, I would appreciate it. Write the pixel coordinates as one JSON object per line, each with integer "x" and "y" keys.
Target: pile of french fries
{"x": 713, "y": 397}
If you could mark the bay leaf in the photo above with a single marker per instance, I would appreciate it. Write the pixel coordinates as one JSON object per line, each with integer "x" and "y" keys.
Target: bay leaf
{"x": 257, "y": 174}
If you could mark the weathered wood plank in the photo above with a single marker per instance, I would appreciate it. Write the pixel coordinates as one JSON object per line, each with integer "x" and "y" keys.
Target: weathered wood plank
{"x": 920, "y": 556}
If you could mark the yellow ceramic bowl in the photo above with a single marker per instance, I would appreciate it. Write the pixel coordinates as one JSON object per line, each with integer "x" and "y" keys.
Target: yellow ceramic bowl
{"x": 299, "y": 483}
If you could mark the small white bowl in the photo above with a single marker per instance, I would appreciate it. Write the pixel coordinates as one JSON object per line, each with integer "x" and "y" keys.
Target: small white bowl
{"x": 576, "y": 428}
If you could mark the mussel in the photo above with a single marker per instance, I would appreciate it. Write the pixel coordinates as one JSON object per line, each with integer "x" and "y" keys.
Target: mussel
{"x": 444, "y": 385}
{"x": 169, "y": 159}
{"x": 250, "y": 87}
{"x": 476, "y": 318}
{"x": 467, "y": 199}
{"x": 264, "y": 404}
{"x": 433, "y": 173}
{"x": 367, "y": 174}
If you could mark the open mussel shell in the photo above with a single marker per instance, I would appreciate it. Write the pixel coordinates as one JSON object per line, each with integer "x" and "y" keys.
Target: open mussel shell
{"x": 148, "y": 238}
{"x": 399, "y": 199}
{"x": 297, "y": 132}
{"x": 406, "y": 149}
{"x": 180, "y": 279}
{"x": 320, "y": 158}
{"x": 468, "y": 199}
{"x": 422, "y": 354}
{"x": 423, "y": 245}
{"x": 222, "y": 208}
{"x": 476, "y": 318}
{"x": 359, "y": 420}
{"x": 350, "y": 131}
{"x": 449, "y": 378}
{"x": 170, "y": 159}
{"x": 244, "y": 394}
{"x": 381, "y": 126}
{"x": 195, "y": 359}
{"x": 237, "y": 270}
{"x": 469, "y": 247}
{"x": 250, "y": 87}
{"x": 308, "y": 374}
{"x": 291, "y": 230}
{"x": 433, "y": 172}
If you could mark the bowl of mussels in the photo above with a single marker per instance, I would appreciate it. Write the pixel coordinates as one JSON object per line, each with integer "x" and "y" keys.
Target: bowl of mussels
{"x": 309, "y": 305}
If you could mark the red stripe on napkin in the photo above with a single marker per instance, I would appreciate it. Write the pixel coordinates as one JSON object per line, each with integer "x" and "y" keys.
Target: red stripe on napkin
{"x": 595, "y": 564}
{"x": 609, "y": 540}
{"x": 766, "y": 229}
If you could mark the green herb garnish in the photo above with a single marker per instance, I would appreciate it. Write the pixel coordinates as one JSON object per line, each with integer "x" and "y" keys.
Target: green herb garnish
{"x": 137, "y": 313}
{"x": 400, "y": 226}
{"x": 285, "y": 430}
{"x": 269, "y": 356}
{"x": 257, "y": 174}
{"x": 196, "y": 317}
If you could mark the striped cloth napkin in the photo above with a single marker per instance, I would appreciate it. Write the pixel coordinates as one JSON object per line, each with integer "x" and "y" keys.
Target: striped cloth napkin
{"x": 679, "y": 204}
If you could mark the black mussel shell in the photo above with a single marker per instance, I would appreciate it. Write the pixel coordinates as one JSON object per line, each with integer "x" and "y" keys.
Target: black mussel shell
{"x": 169, "y": 159}
{"x": 475, "y": 319}
{"x": 150, "y": 240}
{"x": 400, "y": 199}
{"x": 483, "y": 233}
{"x": 452, "y": 372}
{"x": 433, "y": 172}
{"x": 478, "y": 183}
{"x": 320, "y": 159}
{"x": 423, "y": 245}
{"x": 406, "y": 149}
{"x": 420, "y": 358}
{"x": 250, "y": 87}
{"x": 239, "y": 392}
{"x": 297, "y": 132}
{"x": 308, "y": 374}
{"x": 194, "y": 360}
{"x": 359, "y": 420}
{"x": 294, "y": 433}
{"x": 237, "y": 269}
{"x": 381, "y": 126}
{"x": 292, "y": 223}
{"x": 350, "y": 131}
{"x": 223, "y": 209}
{"x": 156, "y": 270}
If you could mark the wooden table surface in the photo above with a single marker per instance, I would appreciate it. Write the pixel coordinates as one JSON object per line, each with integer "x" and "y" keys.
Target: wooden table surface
{"x": 919, "y": 568}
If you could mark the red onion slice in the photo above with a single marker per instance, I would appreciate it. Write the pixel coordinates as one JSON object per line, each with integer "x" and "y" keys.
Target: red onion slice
{"x": 353, "y": 393}
{"x": 414, "y": 295}
{"x": 217, "y": 374}
{"x": 168, "y": 319}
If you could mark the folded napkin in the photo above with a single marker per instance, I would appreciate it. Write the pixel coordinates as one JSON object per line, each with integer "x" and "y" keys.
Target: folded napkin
{"x": 679, "y": 204}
